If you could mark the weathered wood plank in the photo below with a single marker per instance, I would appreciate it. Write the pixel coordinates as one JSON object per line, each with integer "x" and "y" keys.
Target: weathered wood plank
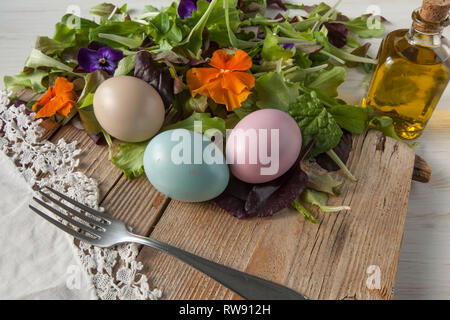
{"x": 324, "y": 261}
{"x": 137, "y": 203}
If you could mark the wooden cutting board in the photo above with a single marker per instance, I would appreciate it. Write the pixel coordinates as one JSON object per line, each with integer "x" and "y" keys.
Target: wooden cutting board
{"x": 348, "y": 255}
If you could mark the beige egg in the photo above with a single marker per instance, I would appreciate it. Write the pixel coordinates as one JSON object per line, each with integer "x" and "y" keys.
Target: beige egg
{"x": 129, "y": 109}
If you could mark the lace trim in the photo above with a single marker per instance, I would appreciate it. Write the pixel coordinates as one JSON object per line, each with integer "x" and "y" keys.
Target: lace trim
{"x": 114, "y": 273}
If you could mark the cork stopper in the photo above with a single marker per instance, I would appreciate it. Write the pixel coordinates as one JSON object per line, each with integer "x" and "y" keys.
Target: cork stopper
{"x": 431, "y": 16}
{"x": 434, "y": 11}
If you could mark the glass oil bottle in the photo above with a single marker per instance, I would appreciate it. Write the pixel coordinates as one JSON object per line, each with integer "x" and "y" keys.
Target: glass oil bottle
{"x": 413, "y": 70}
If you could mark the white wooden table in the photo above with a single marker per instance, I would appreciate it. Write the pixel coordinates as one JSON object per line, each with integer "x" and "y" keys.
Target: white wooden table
{"x": 425, "y": 258}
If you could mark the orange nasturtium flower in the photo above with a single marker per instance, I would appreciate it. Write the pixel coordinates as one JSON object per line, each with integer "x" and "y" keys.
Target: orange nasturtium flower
{"x": 225, "y": 82}
{"x": 59, "y": 99}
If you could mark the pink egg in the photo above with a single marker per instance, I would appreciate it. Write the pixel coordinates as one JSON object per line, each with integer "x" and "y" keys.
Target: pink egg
{"x": 263, "y": 146}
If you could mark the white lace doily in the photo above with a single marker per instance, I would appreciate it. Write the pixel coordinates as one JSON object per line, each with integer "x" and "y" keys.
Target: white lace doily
{"x": 114, "y": 273}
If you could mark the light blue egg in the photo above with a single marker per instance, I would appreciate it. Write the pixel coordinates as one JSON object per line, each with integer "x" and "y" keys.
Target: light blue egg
{"x": 171, "y": 163}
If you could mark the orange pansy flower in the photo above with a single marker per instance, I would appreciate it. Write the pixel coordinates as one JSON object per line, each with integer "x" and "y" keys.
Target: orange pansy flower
{"x": 225, "y": 82}
{"x": 59, "y": 99}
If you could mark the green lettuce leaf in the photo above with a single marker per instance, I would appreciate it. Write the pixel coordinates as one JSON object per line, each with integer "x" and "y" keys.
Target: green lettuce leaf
{"x": 31, "y": 79}
{"x": 266, "y": 97}
{"x": 37, "y": 59}
{"x": 51, "y": 47}
{"x": 272, "y": 51}
{"x": 129, "y": 158}
{"x": 315, "y": 123}
{"x": 324, "y": 183}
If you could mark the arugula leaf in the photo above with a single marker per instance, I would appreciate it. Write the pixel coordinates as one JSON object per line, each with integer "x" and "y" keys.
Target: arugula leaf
{"x": 129, "y": 158}
{"x": 385, "y": 125}
{"x": 320, "y": 199}
{"x": 352, "y": 118}
{"x": 265, "y": 95}
{"x": 194, "y": 40}
{"x": 329, "y": 80}
{"x": 235, "y": 42}
{"x": 163, "y": 27}
{"x": 33, "y": 79}
{"x": 126, "y": 65}
{"x": 116, "y": 34}
{"x": 315, "y": 123}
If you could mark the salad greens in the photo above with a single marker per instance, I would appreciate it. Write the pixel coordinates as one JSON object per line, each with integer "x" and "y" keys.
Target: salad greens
{"x": 299, "y": 60}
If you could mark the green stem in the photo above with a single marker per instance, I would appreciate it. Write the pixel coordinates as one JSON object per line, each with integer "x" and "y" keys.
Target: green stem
{"x": 305, "y": 212}
{"x": 341, "y": 165}
{"x": 332, "y": 56}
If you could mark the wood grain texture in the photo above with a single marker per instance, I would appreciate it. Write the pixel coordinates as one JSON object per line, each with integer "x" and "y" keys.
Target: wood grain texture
{"x": 324, "y": 261}
{"x": 137, "y": 203}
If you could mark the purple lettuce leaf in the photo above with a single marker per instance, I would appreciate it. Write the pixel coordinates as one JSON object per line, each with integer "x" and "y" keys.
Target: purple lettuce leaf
{"x": 243, "y": 200}
{"x": 157, "y": 76}
{"x": 337, "y": 34}
{"x": 267, "y": 199}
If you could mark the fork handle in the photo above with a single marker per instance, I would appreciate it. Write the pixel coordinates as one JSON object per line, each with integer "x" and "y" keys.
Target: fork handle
{"x": 245, "y": 285}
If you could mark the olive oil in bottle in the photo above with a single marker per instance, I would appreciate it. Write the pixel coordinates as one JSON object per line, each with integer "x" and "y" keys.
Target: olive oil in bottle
{"x": 413, "y": 70}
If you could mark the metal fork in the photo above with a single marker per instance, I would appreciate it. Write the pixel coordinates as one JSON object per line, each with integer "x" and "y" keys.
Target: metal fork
{"x": 104, "y": 231}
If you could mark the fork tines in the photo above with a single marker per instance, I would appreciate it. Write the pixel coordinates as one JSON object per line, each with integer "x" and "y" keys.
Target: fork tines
{"x": 91, "y": 228}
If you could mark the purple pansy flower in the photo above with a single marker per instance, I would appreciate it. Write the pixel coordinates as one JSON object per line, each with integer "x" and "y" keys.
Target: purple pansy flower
{"x": 288, "y": 46}
{"x": 186, "y": 7}
{"x": 99, "y": 56}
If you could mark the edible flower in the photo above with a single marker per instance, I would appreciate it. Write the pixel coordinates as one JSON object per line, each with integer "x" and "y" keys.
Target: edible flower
{"x": 225, "y": 82}
{"x": 59, "y": 99}
{"x": 186, "y": 7}
{"x": 99, "y": 56}
{"x": 288, "y": 46}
